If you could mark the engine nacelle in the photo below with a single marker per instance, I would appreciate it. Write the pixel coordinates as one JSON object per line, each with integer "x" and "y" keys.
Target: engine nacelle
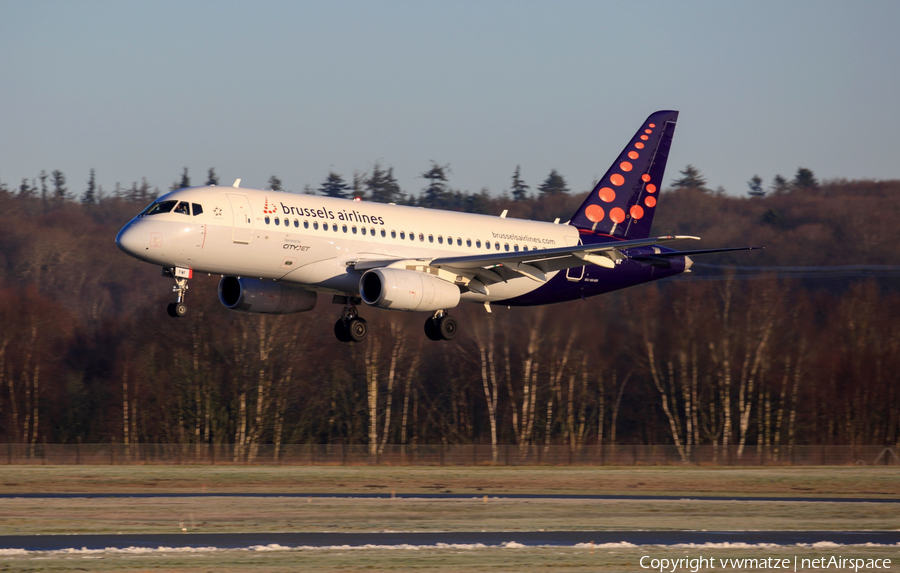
{"x": 400, "y": 289}
{"x": 254, "y": 295}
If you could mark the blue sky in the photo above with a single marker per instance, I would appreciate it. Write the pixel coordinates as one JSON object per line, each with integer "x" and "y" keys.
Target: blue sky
{"x": 295, "y": 89}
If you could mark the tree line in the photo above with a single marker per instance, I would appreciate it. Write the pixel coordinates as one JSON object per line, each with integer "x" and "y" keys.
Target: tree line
{"x": 741, "y": 356}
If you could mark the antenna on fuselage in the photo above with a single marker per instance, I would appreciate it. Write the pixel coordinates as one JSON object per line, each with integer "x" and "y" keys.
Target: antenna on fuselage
{"x": 237, "y": 183}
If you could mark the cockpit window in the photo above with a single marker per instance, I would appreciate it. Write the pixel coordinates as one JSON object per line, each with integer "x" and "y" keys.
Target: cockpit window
{"x": 183, "y": 208}
{"x": 197, "y": 208}
{"x": 161, "y": 207}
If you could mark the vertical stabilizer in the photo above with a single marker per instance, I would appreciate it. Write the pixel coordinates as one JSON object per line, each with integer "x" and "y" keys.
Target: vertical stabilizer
{"x": 623, "y": 202}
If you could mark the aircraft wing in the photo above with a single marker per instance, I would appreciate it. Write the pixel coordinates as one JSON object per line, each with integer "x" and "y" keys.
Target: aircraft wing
{"x": 535, "y": 264}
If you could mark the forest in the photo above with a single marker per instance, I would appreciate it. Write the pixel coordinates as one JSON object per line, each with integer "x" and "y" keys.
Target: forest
{"x": 795, "y": 344}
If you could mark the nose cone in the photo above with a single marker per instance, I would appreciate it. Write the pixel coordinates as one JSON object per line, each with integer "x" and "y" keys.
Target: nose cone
{"x": 130, "y": 240}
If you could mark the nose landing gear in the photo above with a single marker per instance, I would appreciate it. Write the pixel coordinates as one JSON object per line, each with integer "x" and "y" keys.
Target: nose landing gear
{"x": 178, "y": 308}
{"x": 441, "y": 326}
{"x": 350, "y": 327}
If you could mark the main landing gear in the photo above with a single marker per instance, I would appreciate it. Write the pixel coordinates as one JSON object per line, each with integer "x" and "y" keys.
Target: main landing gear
{"x": 441, "y": 326}
{"x": 178, "y": 308}
{"x": 351, "y": 327}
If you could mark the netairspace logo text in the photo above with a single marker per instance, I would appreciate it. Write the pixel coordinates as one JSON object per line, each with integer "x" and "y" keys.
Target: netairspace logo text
{"x": 695, "y": 564}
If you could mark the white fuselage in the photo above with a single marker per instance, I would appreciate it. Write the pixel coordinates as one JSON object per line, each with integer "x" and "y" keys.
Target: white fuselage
{"x": 315, "y": 241}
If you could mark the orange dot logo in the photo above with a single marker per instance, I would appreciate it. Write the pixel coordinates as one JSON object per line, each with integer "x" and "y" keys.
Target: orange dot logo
{"x": 625, "y": 166}
{"x": 651, "y": 188}
{"x": 607, "y": 195}
{"x": 594, "y": 213}
{"x": 650, "y": 201}
{"x": 617, "y": 215}
{"x": 639, "y": 145}
{"x": 652, "y": 125}
{"x": 644, "y": 137}
{"x": 633, "y": 155}
{"x": 616, "y": 179}
{"x": 637, "y": 212}
{"x": 645, "y": 177}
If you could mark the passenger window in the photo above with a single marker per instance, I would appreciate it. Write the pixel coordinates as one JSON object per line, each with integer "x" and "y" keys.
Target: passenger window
{"x": 354, "y": 229}
{"x": 276, "y": 220}
{"x": 372, "y": 231}
{"x": 459, "y": 241}
{"x": 477, "y": 243}
{"x": 363, "y": 230}
{"x": 469, "y": 243}
{"x": 497, "y": 246}
{"x": 430, "y": 238}
{"x": 296, "y": 223}
{"x": 344, "y": 228}
{"x": 267, "y": 219}
{"x": 333, "y": 227}
{"x": 412, "y": 236}
{"x": 198, "y": 209}
{"x": 394, "y": 234}
{"x": 306, "y": 224}
{"x": 487, "y": 245}
{"x": 316, "y": 225}
{"x": 421, "y": 237}
{"x": 440, "y": 240}
{"x": 506, "y": 247}
{"x": 402, "y": 234}
{"x": 383, "y": 233}
{"x": 183, "y": 209}
{"x": 516, "y": 248}
{"x": 525, "y": 248}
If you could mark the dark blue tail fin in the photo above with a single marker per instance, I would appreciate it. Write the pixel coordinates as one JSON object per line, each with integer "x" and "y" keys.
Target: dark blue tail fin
{"x": 623, "y": 202}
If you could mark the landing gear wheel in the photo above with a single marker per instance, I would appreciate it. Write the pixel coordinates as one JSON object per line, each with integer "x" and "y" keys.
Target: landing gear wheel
{"x": 176, "y": 309}
{"x": 447, "y": 327}
{"x": 357, "y": 328}
{"x": 341, "y": 332}
{"x": 432, "y": 331}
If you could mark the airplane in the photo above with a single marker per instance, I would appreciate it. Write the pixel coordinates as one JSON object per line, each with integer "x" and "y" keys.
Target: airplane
{"x": 275, "y": 251}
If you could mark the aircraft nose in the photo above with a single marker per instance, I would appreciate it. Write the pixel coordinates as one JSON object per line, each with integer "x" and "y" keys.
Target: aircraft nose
{"x": 129, "y": 240}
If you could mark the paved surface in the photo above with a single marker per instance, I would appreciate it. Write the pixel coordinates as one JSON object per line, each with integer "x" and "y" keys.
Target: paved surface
{"x": 459, "y": 496}
{"x": 561, "y": 538}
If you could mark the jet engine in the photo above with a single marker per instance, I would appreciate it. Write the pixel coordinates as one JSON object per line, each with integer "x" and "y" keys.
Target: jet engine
{"x": 254, "y": 295}
{"x": 399, "y": 289}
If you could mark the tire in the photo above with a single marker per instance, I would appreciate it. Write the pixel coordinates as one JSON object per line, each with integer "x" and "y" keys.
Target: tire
{"x": 448, "y": 327}
{"x": 358, "y": 328}
{"x": 340, "y": 331}
{"x": 432, "y": 331}
{"x": 170, "y": 310}
{"x": 180, "y": 309}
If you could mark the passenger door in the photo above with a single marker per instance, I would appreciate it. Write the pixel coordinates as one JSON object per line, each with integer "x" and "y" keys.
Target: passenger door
{"x": 243, "y": 218}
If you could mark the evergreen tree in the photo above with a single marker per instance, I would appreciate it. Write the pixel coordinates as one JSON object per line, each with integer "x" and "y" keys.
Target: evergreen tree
{"x": 26, "y": 190}
{"x": 211, "y": 178}
{"x": 59, "y": 186}
{"x": 44, "y": 197}
{"x": 519, "y": 189}
{"x": 334, "y": 186}
{"x": 690, "y": 179}
{"x": 435, "y": 194}
{"x": 554, "y": 184}
{"x": 779, "y": 185}
{"x": 185, "y": 181}
{"x": 275, "y": 184}
{"x": 756, "y": 188}
{"x": 804, "y": 179}
{"x": 90, "y": 194}
{"x": 382, "y": 186}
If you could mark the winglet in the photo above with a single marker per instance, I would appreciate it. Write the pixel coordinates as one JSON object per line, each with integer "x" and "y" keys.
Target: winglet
{"x": 237, "y": 183}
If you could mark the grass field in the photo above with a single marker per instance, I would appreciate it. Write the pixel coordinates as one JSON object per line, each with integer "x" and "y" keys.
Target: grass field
{"x": 25, "y": 516}
{"x": 881, "y": 481}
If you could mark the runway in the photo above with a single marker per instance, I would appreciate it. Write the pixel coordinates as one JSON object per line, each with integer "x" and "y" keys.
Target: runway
{"x": 362, "y": 540}
{"x": 458, "y": 496}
